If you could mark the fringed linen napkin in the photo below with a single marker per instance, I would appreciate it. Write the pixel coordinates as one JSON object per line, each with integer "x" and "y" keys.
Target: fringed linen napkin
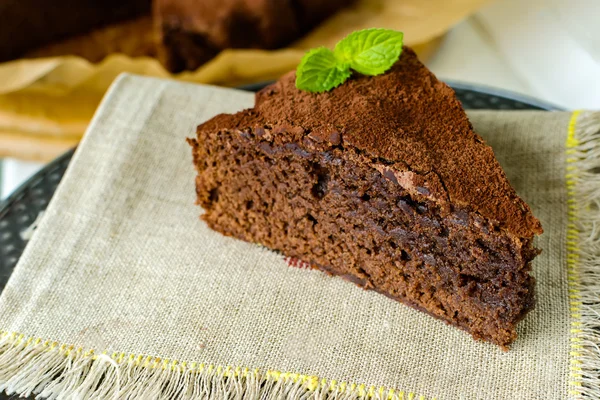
{"x": 124, "y": 293}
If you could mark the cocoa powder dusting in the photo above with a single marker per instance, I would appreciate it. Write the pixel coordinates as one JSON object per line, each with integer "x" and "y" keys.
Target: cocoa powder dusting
{"x": 404, "y": 116}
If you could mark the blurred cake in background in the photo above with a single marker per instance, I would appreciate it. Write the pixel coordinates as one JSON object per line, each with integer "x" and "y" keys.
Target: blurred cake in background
{"x": 133, "y": 38}
{"x": 29, "y": 24}
{"x": 51, "y": 87}
{"x": 191, "y": 32}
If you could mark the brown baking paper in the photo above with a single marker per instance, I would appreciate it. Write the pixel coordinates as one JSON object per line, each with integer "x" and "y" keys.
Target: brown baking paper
{"x": 46, "y": 103}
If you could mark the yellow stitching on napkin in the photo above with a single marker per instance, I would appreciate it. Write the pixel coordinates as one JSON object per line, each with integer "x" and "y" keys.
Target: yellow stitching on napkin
{"x": 582, "y": 241}
{"x": 29, "y": 345}
{"x": 583, "y": 184}
{"x": 573, "y": 253}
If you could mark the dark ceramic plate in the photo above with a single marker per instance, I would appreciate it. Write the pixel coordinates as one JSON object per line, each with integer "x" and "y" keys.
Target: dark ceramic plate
{"x": 20, "y": 209}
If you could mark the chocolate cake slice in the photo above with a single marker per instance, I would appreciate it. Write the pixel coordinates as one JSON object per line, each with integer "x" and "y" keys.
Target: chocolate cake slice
{"x": 382, "y": 181}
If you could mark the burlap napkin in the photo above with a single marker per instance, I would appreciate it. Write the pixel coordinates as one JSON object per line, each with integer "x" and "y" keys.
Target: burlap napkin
{"x": 124, "y": 293}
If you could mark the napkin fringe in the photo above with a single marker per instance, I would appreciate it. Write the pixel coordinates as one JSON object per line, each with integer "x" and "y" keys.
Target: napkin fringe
{"x": 51, "y": 370}
{"x": 583, "y": 252}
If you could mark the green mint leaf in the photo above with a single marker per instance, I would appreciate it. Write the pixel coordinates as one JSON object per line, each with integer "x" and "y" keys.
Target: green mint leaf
{"x": 320, "y": 71}
{"x": 370, "y": 51}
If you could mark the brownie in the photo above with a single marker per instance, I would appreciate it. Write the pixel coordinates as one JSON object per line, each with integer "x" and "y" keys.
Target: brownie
{"x": 383, "y": 181}
{"x": 191, "y": 32}
{"x": 28, "y": 24}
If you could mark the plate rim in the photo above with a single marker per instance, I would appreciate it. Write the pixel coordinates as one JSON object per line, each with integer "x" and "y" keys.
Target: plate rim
{"x": 507, "y": 94}
{"x": 19, "y": 192}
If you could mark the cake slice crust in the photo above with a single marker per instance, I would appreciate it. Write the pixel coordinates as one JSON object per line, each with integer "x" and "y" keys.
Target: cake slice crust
{"x": 362, "y": 182}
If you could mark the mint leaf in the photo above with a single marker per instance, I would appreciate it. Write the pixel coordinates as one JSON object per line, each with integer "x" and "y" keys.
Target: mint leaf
{"x": 320, "y": 71}
{"x": 370, "y": 51}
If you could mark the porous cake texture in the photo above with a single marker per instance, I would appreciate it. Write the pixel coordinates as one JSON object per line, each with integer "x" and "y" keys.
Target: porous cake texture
{"x": 382, "y": 181}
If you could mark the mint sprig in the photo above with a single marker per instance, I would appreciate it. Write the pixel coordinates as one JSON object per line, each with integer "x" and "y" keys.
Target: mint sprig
{"x": 369, "y": 52}
{"x": 320, "y": 71}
